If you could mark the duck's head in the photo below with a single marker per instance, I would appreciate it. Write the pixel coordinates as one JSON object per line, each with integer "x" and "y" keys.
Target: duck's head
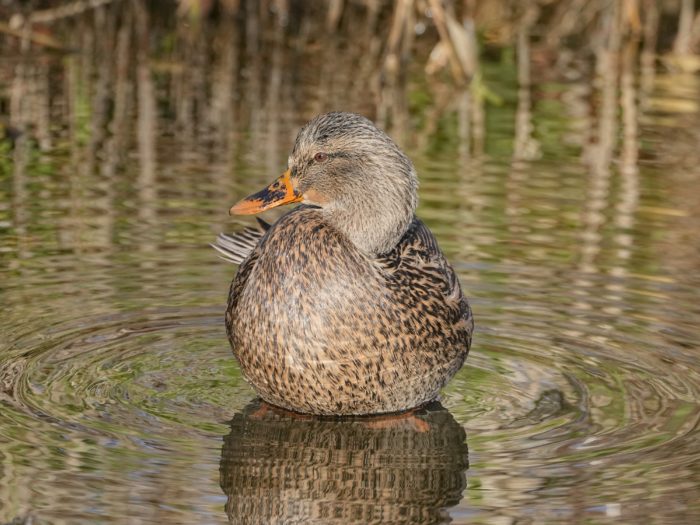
{"x": 358, "y": 177}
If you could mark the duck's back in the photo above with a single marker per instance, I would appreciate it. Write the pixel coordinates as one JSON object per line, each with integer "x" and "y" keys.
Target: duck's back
{"x": 318, "y": 326}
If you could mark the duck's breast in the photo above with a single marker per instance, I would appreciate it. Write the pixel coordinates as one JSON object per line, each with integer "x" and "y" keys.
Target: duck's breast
{"x": 311, "y": 296}
{"x": 318, "y": 326}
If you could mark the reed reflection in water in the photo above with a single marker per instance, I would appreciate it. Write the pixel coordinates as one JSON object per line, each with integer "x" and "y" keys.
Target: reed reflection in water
{"x": 279, "y": 467}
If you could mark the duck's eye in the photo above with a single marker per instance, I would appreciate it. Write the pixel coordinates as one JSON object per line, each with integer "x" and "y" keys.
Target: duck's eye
{"x": 321, "y": 157}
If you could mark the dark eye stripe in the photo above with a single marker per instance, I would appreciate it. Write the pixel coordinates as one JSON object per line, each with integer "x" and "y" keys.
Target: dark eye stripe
{"x": 337, "y": 154}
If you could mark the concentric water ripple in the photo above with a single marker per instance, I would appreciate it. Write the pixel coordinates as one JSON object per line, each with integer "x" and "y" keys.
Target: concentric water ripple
{"x": 575, "y": 381}
{"x": 148, "y": 374}
{"x": 557, "y": 384}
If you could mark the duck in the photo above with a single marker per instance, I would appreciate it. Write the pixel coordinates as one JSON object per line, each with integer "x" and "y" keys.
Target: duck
{"x": 345, "y": 305}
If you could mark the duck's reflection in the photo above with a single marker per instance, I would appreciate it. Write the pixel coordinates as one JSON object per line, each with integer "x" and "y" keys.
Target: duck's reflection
{"x": 279, "y": 467}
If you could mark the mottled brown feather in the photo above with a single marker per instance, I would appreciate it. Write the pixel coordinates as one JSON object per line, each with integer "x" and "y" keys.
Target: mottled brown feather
{"x": 319, "y": 326}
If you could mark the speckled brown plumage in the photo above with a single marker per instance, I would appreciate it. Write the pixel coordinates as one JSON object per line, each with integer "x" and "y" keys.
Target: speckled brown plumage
{"x": 321, "y": 324}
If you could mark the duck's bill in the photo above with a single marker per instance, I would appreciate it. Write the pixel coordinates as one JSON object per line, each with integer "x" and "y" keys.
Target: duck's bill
{"x": 276, "y": 194}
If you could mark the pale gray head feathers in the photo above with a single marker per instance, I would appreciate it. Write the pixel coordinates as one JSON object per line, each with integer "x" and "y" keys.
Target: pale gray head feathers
{"x": 366, "y": 186}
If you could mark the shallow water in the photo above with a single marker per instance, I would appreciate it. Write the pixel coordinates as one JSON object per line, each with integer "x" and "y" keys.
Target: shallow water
{"x": 570, "y": 215}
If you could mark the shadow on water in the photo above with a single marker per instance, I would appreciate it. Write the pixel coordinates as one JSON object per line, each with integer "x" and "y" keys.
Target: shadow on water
{"x": 280, "y": 467}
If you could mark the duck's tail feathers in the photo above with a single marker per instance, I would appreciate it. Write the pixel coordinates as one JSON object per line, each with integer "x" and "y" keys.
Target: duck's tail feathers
{"x": 235, "y": 247}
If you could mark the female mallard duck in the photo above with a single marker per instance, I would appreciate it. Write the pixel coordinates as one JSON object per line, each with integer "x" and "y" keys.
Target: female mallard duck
{"x": 345, "y": 305}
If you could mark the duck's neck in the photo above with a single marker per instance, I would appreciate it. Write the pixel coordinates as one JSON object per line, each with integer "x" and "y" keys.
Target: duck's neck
{"x": 375, "y": 226}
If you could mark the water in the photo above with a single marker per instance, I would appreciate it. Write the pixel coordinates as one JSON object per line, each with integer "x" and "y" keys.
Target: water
{"x": 569, "y": 210}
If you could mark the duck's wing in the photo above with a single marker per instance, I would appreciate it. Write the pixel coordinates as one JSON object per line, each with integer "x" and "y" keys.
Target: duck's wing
{"x": 235, "y": 247}
{"x": 417, "y": 262}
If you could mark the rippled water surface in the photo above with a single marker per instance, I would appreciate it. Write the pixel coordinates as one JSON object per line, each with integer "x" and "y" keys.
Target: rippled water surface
{"x": 570, "y": 211}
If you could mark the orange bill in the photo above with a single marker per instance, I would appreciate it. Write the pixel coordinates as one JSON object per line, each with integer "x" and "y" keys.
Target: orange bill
{"x": 280, "y": 192}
